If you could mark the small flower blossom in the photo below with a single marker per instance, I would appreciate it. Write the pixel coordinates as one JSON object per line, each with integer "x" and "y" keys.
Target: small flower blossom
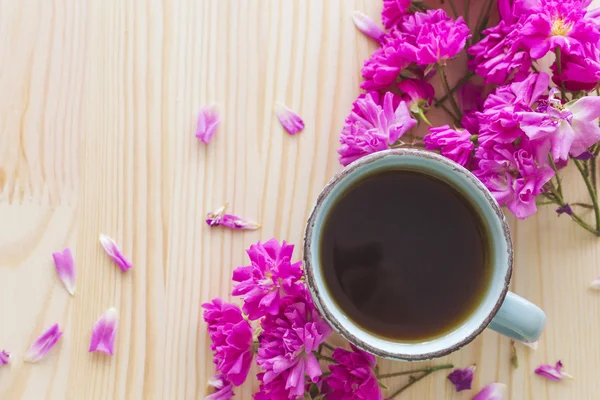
{"x": 367, "y": 26}
{"x": 65, "y": 268}
{"x": 586, "y": 155}
{"x": 353, "y": 377}
{"x": 393, "y": 11}
{"x": 288, "y": 342}
{"x": 220, "y": 218}
{"x": 4, "y": 357}
{"x": 553, "y": 373}
{"x": 381, "y": 70}
{"x": 231, "y": 337}
{"x": 373, "y": 126}
{"x": 270, "y": 275}
{"x": 104, "y": 332}
{"x": 223, "y": 388}
{"x": 493, "y": 391}
{"x": 454, "y": 144}
{"x": 566, "y": 209}
{"x": 43, "y": 344}
{"x": 418, "y": 95}
{"x": 289, "y": 119}
{"x": 462, "y": 378}
{"x": 208, "y": 119}
{"x": 114, "y": 252}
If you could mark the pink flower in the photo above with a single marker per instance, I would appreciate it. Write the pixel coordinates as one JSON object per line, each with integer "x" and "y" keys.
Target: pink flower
{"x": 373, "y": 126}
{"x": 65, "y": 268}
{"x": 454, "y": 144}
{"x": 208, "y": 119}
{"x": 417, "y": 93}
{"x": 219, "y": 218}
{"x": 493, "y": 391}
{"x": 43, "y": 344}
{"x": 275, "y": 389}
{"x": 114, "y": 252}
{"x": 462, "y": 378}
{"x": 224, "y": 389}
{"x": 270, "y": 275}
{"x": 104, "y": 332}
{"x": 367, "y": 26}
{"x": 385, "y": 64}
{"x": 579, "y": 71}
{"x": 231, "y": 337}
{"x": 288, "y": 341}
{"x": 393, "y": 11}
{"x": 353, "y": 377}
{"x": 553, "y": 373}
{"x": 289, "y": 119}
{"x": 4, "y": 357}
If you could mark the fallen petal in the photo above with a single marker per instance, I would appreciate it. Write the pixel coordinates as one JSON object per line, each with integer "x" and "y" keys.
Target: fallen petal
{"x": 462, "y": 378}
{"x": 115, "y": 253}
{"x": 493, "y": 391}
{"x": 4, "y": 357}
{"x": 553, "y": 373}
{"x": 367, "y": 26}
{"x": 532, "y": 345}
{"x": 43, "y": 344}
{"x": 289, "y": 119}
{"x": 218, "y": 217}
{"x": 104, "y": 332}
{"x": 208, "y": 119}
{"x": 213, "y": 218}
{"x": 65, "y": 268}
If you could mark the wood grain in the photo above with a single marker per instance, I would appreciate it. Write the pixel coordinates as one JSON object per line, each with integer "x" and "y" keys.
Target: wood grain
{"x": 97, "y": 107}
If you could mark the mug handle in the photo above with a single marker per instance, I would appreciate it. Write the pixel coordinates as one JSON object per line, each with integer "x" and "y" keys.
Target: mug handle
{"x": 519, "y": 319}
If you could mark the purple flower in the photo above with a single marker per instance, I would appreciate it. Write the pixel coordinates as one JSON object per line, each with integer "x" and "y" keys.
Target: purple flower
{"x": 462, "y": 378}
{"x": 566, "y": 209}
{"x": 367, "y": 26}
{"x": 231, "y": 337}
{"x": 493, "y": 391}
{"x": 586, "y": 155}
{"x": 452, "y": 143}
{"x": 579, "y": 71}
{"x": 269, "y": 276}
{"x": 224, "y": 389}
{"x": 353, "y": 377}
{"x": 393, "y": 11}
{"x": 553, "y": 373}
{"x": 373, "y": 126}
{"x": 288, "y": 341}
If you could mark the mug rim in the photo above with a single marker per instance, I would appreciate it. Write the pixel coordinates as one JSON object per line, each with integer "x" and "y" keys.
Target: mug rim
{"x": 311, "y": 276}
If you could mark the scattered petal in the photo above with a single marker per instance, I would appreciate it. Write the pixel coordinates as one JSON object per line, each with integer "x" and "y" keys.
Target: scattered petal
{"x": 223, "y": 388}
{"x": 115, "y": 253}
{"x": 218, "y": 217}
{"x": 104, "y": 332}
{"x": 289, "y": 119}
{"x": 462, "y": 378}
{"x": 208, "y": 119}
{"x": 367, "y": 26}
{"x": 566, "y": 209}
{"x": 493, "y": 391}
{"x": 595, "y": 284}
{"x": 43, "y": 344}
{"x": 553, "y": 373}
{"x": 586, "y": 155}
{"x": 533, "y": 345}
{"x": 65, "y": 268}
{"x": 4, "y": 357}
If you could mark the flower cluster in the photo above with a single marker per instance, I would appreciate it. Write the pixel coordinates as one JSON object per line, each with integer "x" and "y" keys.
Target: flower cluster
{"x": 515, "y": 125}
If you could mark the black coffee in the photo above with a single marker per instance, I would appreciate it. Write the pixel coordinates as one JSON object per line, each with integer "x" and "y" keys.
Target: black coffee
{"x": 405, "y": 256}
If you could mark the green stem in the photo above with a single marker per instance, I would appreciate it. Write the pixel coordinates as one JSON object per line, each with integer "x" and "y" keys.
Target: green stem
{"x": 325, "y": 358}
{"x": 442, "y": 71}
{"x": 563, "y": 92}
{"x": 467, "y": 9}
{"x": 416, "y": 371}
{"x": 558, "y": 182}
{"x": 328, "y": 346}
{"x": 482, "y": 20}
{"x": 584, "y": 205}
{"x": 591, "y": 191}
{"x": 460, "y": 83}
{"x": 578, "y": 220}
{"x": 454, "y": 117}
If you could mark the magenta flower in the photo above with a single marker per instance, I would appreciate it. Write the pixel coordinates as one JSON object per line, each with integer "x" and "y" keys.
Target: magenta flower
{"x": 270, "y": 276}
{"x": 43, "y": 344}
{"x": 373, "y": 126}
{"x": 275, "y": 389}
{"x": 462, "y": 378}
{"x": 493, "y": 391}
{"x": 367, "y": 26}
{"x": 291, "y": 121}
{"x": 580, "y": 71}
{"x": 104, "y": 332}
{"x": 455, "y": 144}
{"x": 114, "y": 252}
{"x": 418, "y": 94}
{"x": 393, "y": 11}
{"x": 353, "y": 378}
{"x": 208, "y": 120}
{"x": 288, "y": 341}
{"x": 381, "y": 70}
{"x": 65, "y": 268}
{"x": 553, "y": 373}
{"x": 231, "y": 337}
{"x": 223, "y": 388}
{"x": 4, "y": 357}
{"x": 220, "y": 218}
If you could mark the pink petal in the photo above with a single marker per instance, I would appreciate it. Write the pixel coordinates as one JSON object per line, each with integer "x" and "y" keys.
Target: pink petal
{"x": 595, "y": 284}
{"x": 208, "y": 119}
{"x": 586, "y": 108}
{"x": 289, "y": 119}
{"x": 65, "y": 268}
{"x": 367, "y": 26}
{"x": 218, "y": 217}
{"x": 493, "y": 391}
{"x": 43, "y": 344}
{"x": 115, "y": 253}
{"x": 586, "y": 134}
{"x": 553, "y": 373}
{"x": 104, "y": 332}
{"x": 4, "y": 357}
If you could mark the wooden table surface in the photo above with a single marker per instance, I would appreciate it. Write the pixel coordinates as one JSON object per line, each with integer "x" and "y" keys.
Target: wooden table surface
{"x": 97, "y": 113}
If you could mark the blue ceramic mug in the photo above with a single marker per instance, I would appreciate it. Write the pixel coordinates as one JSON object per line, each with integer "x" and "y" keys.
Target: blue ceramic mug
{"x": 499, "y": 309}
